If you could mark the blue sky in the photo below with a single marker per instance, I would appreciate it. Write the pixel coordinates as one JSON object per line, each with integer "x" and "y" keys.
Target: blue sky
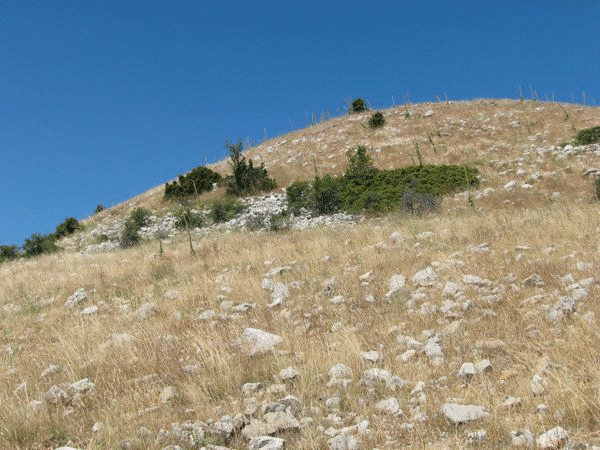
{"x": 102, "y": 100}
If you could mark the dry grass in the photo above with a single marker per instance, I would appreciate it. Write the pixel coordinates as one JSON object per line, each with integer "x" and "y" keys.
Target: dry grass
{"x": 38, "y": 330}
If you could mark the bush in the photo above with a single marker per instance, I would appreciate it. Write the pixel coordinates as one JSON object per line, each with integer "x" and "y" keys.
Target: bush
{"x": 246, "y": 179}
{"x": 130, "y": 236}
{"x": 358, "y": 105}
{"x": 199, "y": 180}
{"x": 588, "y": 136}
{"x": 225, "y": 209}
{"x": 69, "y": 226}
{"x": 99, "y": 209}
{"x": 9, "y": 252}
{"x": 377, "y": 120}
{"x": 37, "y": 244}
{"x": 363, "y": 187}
{"x": 187, "y": 219}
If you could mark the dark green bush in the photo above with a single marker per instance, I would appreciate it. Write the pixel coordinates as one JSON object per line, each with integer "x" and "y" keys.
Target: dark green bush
{"x": 196, "y": 182}
{"x": 588, "y": 136}
{"x": 225, "y": 209}
{"x": 187, "y": 219}
{"x": 130, "y": 236}
{"x": 9, "y": 252}
{"x": 69, "y": 226}
{"x": 298, "y": 197}
{"x": 99, "y": 209}
{"x": 326, "y": 195}
{"x": 377, "y": 120}
{"x": 358, "y": 105}
{"x": 246, "y": 179}
{"x": 37, "y": 244}
{"x": 363, "y": 187}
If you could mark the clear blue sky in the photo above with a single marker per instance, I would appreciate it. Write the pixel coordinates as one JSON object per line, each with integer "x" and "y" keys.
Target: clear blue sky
{"x": 102, "y": 100}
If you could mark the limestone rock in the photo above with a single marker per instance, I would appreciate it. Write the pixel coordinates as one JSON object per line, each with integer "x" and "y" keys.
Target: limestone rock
{"x": 522, "y": 438}
{"x": 77, "y": 297}
{"x": 425, "y": 277}
{"x": 389, "y": 406}
{"x": 344, "y": 442}
{"x": 258, "y": 341}
{"x": 458, "y": 413}
{"x": 552, "y": 439}
{"x": 266, "y": 443}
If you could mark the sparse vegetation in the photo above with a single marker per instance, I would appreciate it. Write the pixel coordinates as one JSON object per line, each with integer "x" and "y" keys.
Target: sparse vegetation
{"x": 38, "y": 243}
{"x": 246, "y": 178}
{"x": 196, "y": 182}
{"x": 189, "y": 219}
{"x": 225, "y": 209}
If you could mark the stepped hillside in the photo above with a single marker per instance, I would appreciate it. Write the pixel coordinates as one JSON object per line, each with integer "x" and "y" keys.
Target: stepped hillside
{"x": 475, "y": 325}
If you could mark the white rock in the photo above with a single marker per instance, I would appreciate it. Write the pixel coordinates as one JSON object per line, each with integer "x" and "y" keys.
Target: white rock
{"x": 451, "y": 289}
{"x": 344, "y": 442}
{"x": 538, "y": 384}
{"x": 396, "y": 282}
{"x": 522, "y": 438}
{"x": 552, "y": 439}
{"x": 340, "y": 370}
{"x": 425, "y": 277}
{"x": 171, "y": 295}
{"x": 77, "y": 297}
{"x": 467, "y": 371}
{"x": 258, "y": 341}
{"x": 89, "y": 310}
{"x": 372, "y": 356}
{"x": 476, "y": 437}
{"x": 389, "y": 406}
{"x": 511, "y": 185}
{"x": 146, "y": 310}
{"x": 51, "y": 370}
{"x": 83, "y": 386}
{"x": 168, "y": 394}
{"x": 458, "y": 413}
{"x": 484, "y": 366}
{"x": 475, "y": 280}
{"x": 289, "y": 374}
{"x": 266, "y": 443}
{"x": 281, "y": 291}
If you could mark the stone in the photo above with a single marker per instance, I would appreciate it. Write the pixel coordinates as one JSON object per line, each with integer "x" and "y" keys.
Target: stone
{"x": 77, "y": 297}
{"x": 266, "y": 443}
{"x": 254, "y": 429}
{"x": 389, "y": 406}
{"x": 396, "y": 282}
{"x": 82, "y": 386}
{"x": 51, "y": 370}
{"x": 484, "y": 366}
{"x": 280, "y": 421}
{"x": 280, "y": 292}
{"x": 168, "y": 394}
{"x": 538, "y": 384}
{"x": 89, "y": 310}
{"x": 458, "y": 413}
{"x": 451, "y": 289}
{"x": 510, "y": 186}
{"x": 533, "y": 280}
{"x": 372, "y": 356}
{"x": 476, "y": 437}
{"x": 475, "y": 280}
{"x": 146, "y": 310}
{"x": 344, "y": 442}
{"x": 522, "y": 438}
{"x": 340, "y": 370}
{"x": 425, "y": 277}
{"x": 467, "y": 371}
{"x": 258, "y": 341}
{"x": 552, "y": 439}
{"x": 171, "y": 294}
{"x": 289, "y": 374}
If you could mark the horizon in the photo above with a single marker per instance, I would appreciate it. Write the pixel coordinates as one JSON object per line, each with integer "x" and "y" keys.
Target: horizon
{"x": 111, "y": 100}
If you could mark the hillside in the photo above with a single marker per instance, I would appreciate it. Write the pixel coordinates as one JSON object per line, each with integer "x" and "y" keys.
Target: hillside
{"x": 472, "y": 326}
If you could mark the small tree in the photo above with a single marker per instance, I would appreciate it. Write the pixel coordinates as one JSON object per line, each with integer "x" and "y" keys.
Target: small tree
{"x": 246, "y": 178}
{"x": 377, "y": 120}
{"x": 69, "y": 226}
{"x": 37, "y": 244}
{"x": 8, "y": 252}
{"x": 99, "y": 209}
{"x": 358, "y": 105}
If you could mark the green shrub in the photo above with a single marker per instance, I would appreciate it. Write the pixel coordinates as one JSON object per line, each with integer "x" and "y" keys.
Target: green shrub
{"x": 199, "y": 180}
{"x": 298, "y": 196}
{"x": 246, "y": 179}
{"x": 225, "y": 209}
{"x": 37, "y": 244}
{"x": 9, "y": 252}
{"x": 99, "y": 208}
{"x": 358, "y": 105}
{"x": 377, "y": 120}
{"x": 187, "y": 219}
{"x": 130, "y": 236}
{"x": 102, "y": 238}
{"x": 415, "y": 189}
{"x": 69, "y": 226}
{"x": 588, "y": 136}
{"x": 326, "y": 195}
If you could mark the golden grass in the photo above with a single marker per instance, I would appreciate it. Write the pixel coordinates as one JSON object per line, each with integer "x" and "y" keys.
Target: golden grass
{"x": 39, "y": 330}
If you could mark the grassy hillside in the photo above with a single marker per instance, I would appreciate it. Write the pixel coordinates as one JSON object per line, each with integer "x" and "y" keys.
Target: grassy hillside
{"x": 511, "y": 278}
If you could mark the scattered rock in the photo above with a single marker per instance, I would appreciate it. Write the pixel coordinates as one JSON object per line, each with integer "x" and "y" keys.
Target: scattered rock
{"x": 266, "y": 443}
{"x": 425, "y": 277}
{"x": 522, "y": 438}
{"x": 344, "y": 442}
{"x": 77, "y": 297}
